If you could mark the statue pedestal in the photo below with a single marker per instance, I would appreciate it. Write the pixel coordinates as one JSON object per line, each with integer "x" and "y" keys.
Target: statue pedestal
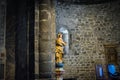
{"x": 59, "y": 73}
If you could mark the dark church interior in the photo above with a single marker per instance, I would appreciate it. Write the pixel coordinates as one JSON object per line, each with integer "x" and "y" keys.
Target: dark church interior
{"x": 90, "y": 30}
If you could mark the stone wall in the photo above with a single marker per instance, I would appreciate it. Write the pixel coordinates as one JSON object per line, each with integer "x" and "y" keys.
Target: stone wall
{"x": 10, "y": 40}
{"x": 2, "y": 23}
{"x": 2, "y": 37}
{"x": 91, "y": 27}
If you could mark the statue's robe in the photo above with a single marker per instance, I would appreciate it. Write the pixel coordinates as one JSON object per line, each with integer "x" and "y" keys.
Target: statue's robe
{"x": 59, "y": 50}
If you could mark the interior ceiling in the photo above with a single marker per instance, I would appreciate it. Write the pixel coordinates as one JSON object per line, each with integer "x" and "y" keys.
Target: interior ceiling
{"x": 86, "y": 1}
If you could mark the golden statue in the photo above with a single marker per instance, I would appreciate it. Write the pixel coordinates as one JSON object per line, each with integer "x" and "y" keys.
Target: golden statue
{"x": 59, "y": 48}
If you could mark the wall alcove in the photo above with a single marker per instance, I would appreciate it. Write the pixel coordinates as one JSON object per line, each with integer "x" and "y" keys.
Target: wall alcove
{"x": 65, "y": 33}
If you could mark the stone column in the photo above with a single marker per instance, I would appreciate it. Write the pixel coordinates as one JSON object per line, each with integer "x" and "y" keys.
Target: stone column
{"x": 36, "y": 41}
{"x": 22, "y": 42}
{"x": 25, "y": 40}
{"x": 46, "y": 40}
{"x": 30, "y": 35}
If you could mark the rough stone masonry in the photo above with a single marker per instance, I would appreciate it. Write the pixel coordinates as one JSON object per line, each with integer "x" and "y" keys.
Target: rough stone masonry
{"x": 90, "y": 27}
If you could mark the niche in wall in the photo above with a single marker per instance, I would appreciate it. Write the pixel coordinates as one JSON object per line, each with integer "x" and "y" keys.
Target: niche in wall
{"x": 111, "y": 54}
{"x": 65, "y": 33}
